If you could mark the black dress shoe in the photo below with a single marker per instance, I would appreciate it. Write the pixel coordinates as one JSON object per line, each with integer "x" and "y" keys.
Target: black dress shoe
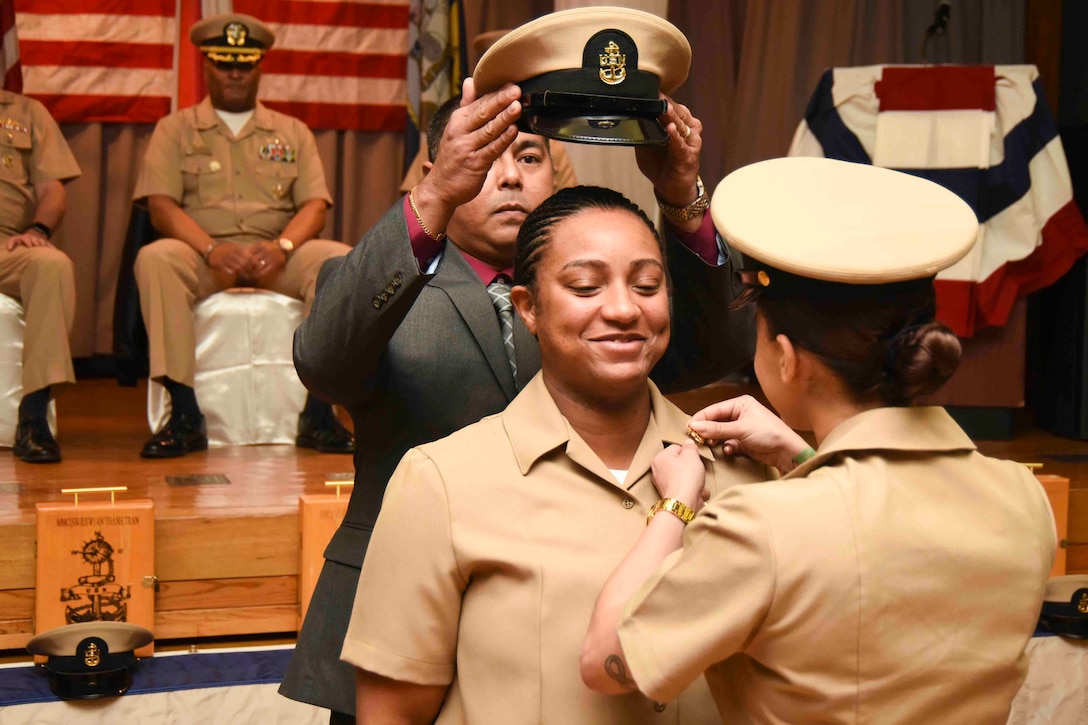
{"x": 326, "y": 435}
{"x": 34, "y": 442}
{"x": 182, "y": 434}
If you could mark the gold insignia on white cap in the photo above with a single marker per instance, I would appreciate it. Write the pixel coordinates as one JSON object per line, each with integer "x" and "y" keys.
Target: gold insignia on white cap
{"x": 62, "y": 641}
{"x": 842, "y": 222}
{"x": 555, "y": 42}
{"x": 590, "y": 75}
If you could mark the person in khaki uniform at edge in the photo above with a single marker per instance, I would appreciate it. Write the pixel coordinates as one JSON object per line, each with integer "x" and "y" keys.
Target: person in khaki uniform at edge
{"x": 239, "y": 190}
{"x": 35, "y": 162}
{"x": 894, "y": 575}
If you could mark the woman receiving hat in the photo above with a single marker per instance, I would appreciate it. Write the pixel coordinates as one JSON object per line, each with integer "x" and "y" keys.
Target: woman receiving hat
{"x": 894, "y": 575}
{"x": 493, "y": 543}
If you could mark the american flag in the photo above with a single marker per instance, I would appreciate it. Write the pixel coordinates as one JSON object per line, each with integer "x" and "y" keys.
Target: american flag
{"x": 98, "y": 60}
{"x": 984, "y": 132}
{"x": 338, "y": 64}
{"x": 10, "y": 69}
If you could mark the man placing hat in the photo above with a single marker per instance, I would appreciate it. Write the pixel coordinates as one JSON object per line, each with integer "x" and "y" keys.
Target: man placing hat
{"x": 238, "y": 192}
{"x": 410, "y": 331}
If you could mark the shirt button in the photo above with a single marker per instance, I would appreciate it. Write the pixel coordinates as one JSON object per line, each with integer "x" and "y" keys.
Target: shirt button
{"x": 659, "y": 707}
{"x": 628, "y": 503}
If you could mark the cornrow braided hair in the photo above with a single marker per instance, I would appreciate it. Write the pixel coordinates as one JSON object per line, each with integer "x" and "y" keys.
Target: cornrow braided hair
{"x": 535, "y": 231}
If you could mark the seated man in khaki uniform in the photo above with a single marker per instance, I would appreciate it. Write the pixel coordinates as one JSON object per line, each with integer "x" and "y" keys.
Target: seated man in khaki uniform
{"x": 35, "y": 162}
{"x": 239, "y": 193}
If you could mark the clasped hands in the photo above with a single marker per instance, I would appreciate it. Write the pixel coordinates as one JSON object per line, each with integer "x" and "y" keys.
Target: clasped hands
{"x": 247, "y": 262}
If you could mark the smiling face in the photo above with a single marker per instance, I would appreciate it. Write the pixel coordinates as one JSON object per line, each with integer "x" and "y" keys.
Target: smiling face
{"x": 519, "y": 180}
{"x": 599, "y": 305}
{"x": 233, "y": 88}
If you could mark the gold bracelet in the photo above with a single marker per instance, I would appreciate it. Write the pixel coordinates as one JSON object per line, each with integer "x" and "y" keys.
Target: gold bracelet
{"x": 412, "y": 203}
{"x": 675, "y": 507}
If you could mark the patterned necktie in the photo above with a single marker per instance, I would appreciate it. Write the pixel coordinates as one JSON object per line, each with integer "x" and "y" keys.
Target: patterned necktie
{"x": 499, "y": 290}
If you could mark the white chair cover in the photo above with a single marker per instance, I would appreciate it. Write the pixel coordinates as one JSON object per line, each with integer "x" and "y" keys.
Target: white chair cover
{"x": 246, "y": 382}
{"x": 12, "y": 325}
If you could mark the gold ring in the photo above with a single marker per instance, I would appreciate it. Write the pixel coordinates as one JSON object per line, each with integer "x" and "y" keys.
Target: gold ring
{"x": 687, "y": 132}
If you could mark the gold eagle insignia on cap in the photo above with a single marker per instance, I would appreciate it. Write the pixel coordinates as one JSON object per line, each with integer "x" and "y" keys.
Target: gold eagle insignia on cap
{"x": 1082, "y": 605}
{"x": 236, "y": 33}
{"x": 613, "y": 65}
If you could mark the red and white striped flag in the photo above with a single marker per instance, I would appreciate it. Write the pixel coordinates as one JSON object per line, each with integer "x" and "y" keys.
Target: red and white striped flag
{"x": 10, "y": 69}
{"x": 337, "y": 63}
{"x": 98, "y": 60}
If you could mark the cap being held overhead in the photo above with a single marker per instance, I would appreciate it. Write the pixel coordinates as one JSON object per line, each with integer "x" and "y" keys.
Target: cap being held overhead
{"x": 591, "y": 75}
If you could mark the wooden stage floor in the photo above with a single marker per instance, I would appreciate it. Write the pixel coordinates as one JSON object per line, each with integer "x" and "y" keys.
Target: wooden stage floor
{"x": 227, "y": 555}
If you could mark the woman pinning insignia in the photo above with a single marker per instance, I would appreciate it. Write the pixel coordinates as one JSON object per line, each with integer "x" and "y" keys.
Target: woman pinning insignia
{"x": 894, "y": 574}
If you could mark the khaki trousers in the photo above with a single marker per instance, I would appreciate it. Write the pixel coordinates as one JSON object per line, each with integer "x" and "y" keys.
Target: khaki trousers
{"x": 172, "y": 277}
{"x": 41, "y": 278}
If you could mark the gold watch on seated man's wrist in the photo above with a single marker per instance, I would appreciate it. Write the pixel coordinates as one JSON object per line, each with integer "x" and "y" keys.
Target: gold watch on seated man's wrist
{"x": 286, "y": 246}
{"x": 675, "y": 507}
{"x": 680, "y": 214}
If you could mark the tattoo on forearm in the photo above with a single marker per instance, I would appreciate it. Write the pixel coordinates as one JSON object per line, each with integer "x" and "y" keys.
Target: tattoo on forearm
{"x": 616, "y": 669}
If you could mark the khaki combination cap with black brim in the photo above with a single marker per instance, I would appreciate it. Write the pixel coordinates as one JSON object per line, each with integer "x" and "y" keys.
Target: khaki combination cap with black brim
{"x": 90, "y": 660}
{"x": 590, "y": 75}
{"x": 232, "y": 38}
{"x": 1065, "y": 606}
{"x": 805, "y": 224}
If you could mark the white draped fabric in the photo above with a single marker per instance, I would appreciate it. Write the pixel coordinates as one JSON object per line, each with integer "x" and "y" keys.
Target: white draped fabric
{"x": 12, "y": 325}
{"x": 246, "y": 382}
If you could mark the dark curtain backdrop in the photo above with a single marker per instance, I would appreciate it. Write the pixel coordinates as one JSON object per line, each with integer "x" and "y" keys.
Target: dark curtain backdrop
{"x": 754, "y": 65}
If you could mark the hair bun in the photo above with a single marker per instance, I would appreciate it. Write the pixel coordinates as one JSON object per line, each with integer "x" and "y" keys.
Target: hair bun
{"x": 921, "y": 359}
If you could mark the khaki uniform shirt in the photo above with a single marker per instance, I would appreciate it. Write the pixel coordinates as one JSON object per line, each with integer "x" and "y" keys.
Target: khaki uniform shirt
{"x": 894, "y": 578}
{"x": 488, "y": 555}
{"x": 237, "y": 189}
{"x": 32, "y": 150}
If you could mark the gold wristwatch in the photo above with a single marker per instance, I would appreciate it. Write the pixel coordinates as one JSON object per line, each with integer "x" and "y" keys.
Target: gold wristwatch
{"x": 675, "y": 507}
{"x": 680, "y": 214}
{"x": 286, "y": 246}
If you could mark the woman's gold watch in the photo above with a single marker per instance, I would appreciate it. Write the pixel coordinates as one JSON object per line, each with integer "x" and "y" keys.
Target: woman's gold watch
{"x": 675, "y": 507}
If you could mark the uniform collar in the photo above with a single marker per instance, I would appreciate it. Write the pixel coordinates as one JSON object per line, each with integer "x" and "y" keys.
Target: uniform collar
{"x": 206, "y": 116}
{"x": 535, "y": 427}
{"x": 7, "y": 97}
{"x": 917, "y": 429}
